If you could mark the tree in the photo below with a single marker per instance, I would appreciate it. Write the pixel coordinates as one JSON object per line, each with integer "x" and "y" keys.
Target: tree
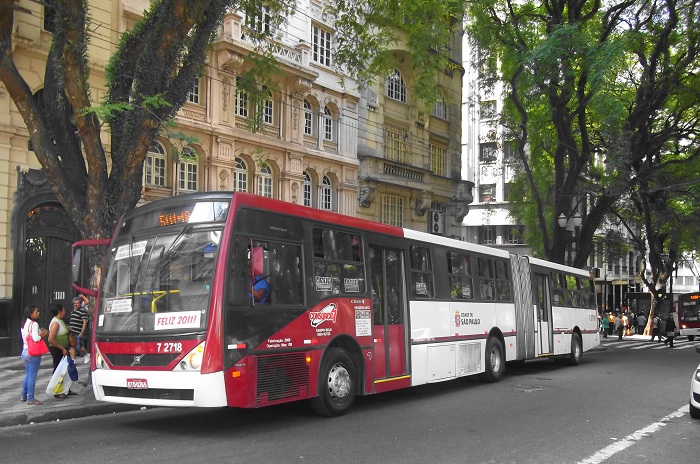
{"x": 594, "y": 92}
{"x": 667, "y": 209}
{"x": 148, "y": 79}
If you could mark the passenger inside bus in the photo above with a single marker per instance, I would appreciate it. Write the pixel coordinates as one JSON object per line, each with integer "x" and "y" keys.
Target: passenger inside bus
{"x": 259, "y": 287}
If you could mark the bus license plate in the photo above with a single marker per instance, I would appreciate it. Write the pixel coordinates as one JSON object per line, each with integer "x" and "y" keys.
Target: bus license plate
{"x": 136, "y": 384}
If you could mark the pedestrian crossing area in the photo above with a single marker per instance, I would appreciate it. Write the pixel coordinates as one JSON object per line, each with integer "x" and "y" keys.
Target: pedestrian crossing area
{"x": 680, "y": 343}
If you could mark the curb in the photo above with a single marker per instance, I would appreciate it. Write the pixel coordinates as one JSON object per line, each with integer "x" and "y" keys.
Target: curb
{"x": 41, "y": 416}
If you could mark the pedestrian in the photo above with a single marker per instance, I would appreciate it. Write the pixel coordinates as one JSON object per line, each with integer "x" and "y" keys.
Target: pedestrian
{"x": 670, "y": 330}
{"x": 625, "y": 324}
{"x": 59, "y": 339}
{"x": 656, "y": 326}
{"x": 641, "y": 323}
{"x": 31, "y": 363}
{"x": 605, "y": 322}
{"x": 79, "y": 322}
{"x": 618, "y": 326}
{"x": 635, "y": 323}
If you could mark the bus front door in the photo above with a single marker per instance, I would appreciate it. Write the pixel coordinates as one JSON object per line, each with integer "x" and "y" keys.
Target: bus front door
{"x": 388, "y": 307}
{"x": 543, "y": 305}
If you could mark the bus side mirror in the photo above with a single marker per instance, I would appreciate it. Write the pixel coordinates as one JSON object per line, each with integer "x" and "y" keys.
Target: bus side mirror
{"x": 76, "y": 266}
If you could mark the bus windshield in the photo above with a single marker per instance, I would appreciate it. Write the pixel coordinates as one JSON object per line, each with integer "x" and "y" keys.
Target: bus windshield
{"x": 160, "y": 282}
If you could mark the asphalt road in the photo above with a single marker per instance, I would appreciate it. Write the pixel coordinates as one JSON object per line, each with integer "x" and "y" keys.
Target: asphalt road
{"x": 627, "y": 404}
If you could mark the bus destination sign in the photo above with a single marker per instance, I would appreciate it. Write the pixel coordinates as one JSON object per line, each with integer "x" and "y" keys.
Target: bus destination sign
{"x": 169, "y": 219}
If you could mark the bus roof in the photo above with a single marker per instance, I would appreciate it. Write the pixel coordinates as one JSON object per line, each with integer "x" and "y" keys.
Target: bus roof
{"x": 450, "y": 242}
{"x": 560, "y": 267}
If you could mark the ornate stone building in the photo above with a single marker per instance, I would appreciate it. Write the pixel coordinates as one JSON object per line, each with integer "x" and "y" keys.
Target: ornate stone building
{"x": 410, "y": 155}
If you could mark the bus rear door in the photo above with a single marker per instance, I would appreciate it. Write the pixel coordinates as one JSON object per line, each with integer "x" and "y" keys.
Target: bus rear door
{"x": 389, "y": 316}
{"x": 541, "y": 292}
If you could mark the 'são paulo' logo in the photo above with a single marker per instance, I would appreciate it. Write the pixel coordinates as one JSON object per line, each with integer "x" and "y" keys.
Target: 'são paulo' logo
{"x": 328, "y": 313}
{"x": 457, "y": 319}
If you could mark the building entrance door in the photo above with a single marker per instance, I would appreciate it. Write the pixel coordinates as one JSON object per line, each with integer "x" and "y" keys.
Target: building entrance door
{"x": 47, "y": 260}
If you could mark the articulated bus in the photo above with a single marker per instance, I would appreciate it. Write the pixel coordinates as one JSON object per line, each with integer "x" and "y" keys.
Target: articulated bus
{"x": 353, "y": 308}
{"x": 689, "y": 314}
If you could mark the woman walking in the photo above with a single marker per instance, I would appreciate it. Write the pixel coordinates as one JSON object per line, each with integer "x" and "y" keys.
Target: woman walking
{"x": 31, "y": 363}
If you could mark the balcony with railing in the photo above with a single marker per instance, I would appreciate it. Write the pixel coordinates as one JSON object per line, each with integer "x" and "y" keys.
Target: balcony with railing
{"x": 245, "y": 39}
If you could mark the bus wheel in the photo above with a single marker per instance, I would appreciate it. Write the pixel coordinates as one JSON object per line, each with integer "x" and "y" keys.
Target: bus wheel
{"x": 336, "y": 384}
{"x": 495, "y": 361}
{"x": 691, "y": 338}
{"x": 574, "y": 358}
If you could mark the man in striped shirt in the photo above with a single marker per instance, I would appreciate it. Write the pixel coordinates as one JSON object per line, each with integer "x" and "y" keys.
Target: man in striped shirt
{"x": 79, "y": 322}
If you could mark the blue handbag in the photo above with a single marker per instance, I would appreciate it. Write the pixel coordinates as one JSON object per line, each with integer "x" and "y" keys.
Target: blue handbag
{"x": 72, "y": 370}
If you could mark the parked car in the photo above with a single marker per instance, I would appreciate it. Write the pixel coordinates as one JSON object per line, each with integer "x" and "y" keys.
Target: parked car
{"x": 695, "y": 392}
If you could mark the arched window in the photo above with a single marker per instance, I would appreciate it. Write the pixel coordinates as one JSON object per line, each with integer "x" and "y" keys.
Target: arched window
{"x": 308, "y": 118}
{"x": 265, "y": 181}
{"x": 154, "y": 168}
{"x": 327, "y": 124}
{"x": 306, "y": 189}
{"x": 188, "y": 175}
{"x": 395, "y": 86}
{"x": 326, "y": 195}
{"x": 240, "y": 176}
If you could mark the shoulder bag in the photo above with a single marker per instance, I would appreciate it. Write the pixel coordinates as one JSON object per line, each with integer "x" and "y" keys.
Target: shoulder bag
{"x": 35, "y": 348}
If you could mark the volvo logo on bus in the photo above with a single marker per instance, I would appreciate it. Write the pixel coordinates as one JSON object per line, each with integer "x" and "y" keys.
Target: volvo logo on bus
{"x": 137, "y": 360}
{"x": 328, "y": 313}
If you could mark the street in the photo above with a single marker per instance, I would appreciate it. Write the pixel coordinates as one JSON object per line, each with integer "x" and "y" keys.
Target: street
{"x": 627, "y": 404}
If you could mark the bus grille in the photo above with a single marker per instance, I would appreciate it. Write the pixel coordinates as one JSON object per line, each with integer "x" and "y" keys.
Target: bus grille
{"x": 150, "y": 393}
{"x": 146, "y": 360}
{"x": 282, "y": 377}
{"x": 469, "y": 358}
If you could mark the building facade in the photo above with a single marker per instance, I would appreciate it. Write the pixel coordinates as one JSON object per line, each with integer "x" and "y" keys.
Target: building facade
{"x": 315, "y": 141}
{"x": 410, "y": 154}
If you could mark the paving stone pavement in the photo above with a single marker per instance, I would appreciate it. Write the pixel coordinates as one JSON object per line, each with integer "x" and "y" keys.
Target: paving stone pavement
{"x": 14, "y": 412}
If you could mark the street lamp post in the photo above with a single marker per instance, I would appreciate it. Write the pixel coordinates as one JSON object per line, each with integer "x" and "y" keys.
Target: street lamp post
{"x": 564, "y": 222}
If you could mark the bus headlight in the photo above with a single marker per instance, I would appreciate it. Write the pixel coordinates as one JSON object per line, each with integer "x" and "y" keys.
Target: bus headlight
{"x": 193, "y": 360}
{"x": 100, "y": 361}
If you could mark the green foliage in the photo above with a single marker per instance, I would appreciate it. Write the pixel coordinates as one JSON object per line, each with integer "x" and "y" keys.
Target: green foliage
{"x": 372, "y": 35}
{"x": 602, "y": 94}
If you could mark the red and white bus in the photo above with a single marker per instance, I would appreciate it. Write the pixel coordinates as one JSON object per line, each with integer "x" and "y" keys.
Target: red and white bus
{"x": 354, "y": 308}
{"x": 689, "y": 314}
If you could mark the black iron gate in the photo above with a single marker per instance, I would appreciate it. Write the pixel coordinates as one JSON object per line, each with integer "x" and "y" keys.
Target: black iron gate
{"x": 47, "y": 270}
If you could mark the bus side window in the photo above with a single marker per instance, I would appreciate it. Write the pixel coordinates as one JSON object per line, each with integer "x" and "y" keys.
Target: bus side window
{"x": 284, "y": 273}
{"x": 460, "y": 276}
{"x": 486, "y": 281}
{"x": 502, "y": 281}
{"x": 239, "y": 273}
{"x": 337, "y": 263}
{"x": 572, "y": 286}
{"x": 421, "y": 272}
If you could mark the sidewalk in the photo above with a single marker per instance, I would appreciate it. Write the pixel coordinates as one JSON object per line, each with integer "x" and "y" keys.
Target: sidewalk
{"x": 14, "y": 412}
